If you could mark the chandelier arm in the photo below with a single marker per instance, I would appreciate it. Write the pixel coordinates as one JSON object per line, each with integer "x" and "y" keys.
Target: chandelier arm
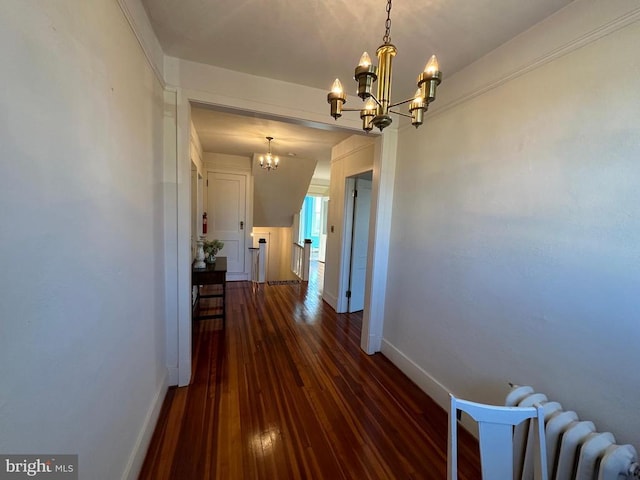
{"x": 376, "y": 100}
{"x": 400, "y": 113}
{"x": 401, "y": 103}
{"x": 351, "y": 109}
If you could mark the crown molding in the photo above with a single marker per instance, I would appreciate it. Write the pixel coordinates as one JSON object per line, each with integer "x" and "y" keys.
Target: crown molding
{"x": 576, "y": 43}
{"x": 583, "y": 12}
{"x": 141, "y": 27}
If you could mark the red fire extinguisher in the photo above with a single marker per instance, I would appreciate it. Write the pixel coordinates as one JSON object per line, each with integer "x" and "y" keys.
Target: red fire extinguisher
{"x": 204, "y": 223}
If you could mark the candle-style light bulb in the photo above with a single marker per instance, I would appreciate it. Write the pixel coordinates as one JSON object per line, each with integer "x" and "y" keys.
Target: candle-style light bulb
{"x": 432, "y": 65}
{"x": 370, "y": 105}
{"x": 337, "y": 87}
{"x": 417, "y": 108}
{"x": 336, "y": 99}
{"x": 367, "y": 114}
{"x": 429, "y": 80}
{"x": 365, "y": 74}
{"x": 365, "y": 60}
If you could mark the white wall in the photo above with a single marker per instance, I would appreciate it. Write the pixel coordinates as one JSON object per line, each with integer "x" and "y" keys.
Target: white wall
{"x": 515, "y": 245}
{"x": 82, "y": 332}
{"x": 221, "y": 161}
{"x": 278, "y": 194}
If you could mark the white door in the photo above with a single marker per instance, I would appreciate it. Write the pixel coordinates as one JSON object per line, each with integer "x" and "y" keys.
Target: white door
{"x": 322, "y": 253}
{"x": 226, "y": 205}
{"x": 360, "y": 240}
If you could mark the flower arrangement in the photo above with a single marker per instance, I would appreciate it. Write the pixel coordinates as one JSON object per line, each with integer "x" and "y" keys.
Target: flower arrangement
{"x": 211, "y": 248}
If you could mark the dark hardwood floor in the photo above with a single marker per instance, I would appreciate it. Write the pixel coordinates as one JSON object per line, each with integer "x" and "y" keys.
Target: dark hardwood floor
{"x": 285, "y": 392}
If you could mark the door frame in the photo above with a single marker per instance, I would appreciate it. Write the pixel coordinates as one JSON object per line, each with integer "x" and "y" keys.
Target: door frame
{"x": 177, "y": 214}
{"x": 351, "y": 184}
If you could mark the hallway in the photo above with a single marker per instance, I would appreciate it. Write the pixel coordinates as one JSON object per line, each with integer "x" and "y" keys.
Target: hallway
{"x": 286, "y": 392}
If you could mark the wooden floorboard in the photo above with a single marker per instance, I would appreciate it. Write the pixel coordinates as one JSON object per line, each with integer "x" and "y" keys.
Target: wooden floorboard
{"x": 285, "y": 392}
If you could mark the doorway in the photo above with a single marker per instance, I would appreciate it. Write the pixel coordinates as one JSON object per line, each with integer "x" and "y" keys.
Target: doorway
{"x": 313, "y": 225}
{"x": 178, "y": 127}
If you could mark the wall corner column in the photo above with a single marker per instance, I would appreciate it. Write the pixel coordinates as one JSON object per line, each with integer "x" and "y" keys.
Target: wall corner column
{"x": 384, "y": 171}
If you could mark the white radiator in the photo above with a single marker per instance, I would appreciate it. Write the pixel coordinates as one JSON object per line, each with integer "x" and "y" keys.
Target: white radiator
{"x": 575, "y": 450}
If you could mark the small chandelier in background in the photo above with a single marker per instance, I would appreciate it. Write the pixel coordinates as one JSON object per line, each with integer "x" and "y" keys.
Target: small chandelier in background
{"x": 269, "y": 161}
{"x": 377, "y": 107}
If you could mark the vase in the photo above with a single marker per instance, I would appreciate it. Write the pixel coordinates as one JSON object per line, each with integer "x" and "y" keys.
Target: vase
{"x": 200, "y": 254}
{"x": 211, "y": 258}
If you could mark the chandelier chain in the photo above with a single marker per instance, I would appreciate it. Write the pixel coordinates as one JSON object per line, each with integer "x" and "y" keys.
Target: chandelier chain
{"x": 387, "y": 33}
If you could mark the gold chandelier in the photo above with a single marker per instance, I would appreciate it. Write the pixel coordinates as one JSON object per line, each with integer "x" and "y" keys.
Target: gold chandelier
{"x": 377, "y": 107}
{"x": 268, "y": 161}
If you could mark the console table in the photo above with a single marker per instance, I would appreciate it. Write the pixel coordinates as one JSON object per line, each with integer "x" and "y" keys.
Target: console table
{"x": 212, "y": 274}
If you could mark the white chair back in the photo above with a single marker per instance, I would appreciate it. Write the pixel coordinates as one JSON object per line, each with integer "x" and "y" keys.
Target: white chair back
{"x": 495, "y": 425}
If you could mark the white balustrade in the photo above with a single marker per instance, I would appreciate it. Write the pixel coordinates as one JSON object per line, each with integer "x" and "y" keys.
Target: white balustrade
{"x": 301, "y": 260}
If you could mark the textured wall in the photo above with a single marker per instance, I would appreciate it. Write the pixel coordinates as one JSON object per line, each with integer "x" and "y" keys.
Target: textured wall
{"x": 82, "y": 348}
{"x": 516, "y": 227}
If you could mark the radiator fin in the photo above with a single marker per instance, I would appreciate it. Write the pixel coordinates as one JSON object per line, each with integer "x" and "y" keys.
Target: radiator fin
{"x": 567, "y": 455}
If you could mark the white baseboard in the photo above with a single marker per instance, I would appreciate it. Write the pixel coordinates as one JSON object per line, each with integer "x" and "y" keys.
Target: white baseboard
{"x": 173, "y": 376}
{"x": 417, "y": 374}
{"x": 237, "y": 277}
{"x": 332, "y": 300}
{"x": 136, "y": 458}
{"x": 427, "y": 382}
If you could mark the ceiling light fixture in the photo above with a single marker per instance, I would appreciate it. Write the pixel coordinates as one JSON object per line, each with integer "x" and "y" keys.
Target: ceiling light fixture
{"x": 377, "y": 107}
{"x": 269, "y": 161}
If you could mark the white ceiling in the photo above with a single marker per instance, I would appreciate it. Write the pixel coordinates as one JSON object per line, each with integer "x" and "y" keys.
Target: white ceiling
{"x": 311, "y": 42}
{"x": 244, "y": 134}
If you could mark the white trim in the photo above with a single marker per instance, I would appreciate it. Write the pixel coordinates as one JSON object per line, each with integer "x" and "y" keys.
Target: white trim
{"x": 384, "y": 174}
{"x": 416, "y": 373}
{"x": 136, "y": 459}
{"x": 330, "y": 299}
{"x": 423, "y": 379}
{"x": 239, "y": 277}
{"x": 172, "y": 375}
{"x": 183, "y": 180}
{"x": 170, "y": 233}
{"x": 145, "y": 35}
{"x": 355, "y": 150}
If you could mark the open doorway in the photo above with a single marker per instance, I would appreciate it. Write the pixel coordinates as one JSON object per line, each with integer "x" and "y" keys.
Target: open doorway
{"x": 357, "y": 214}
{"x": 222, "y": 150}
{"x": 313, "y": 225}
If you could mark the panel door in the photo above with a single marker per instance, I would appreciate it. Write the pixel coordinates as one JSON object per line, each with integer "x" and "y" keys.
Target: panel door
{"x": 226, "y": 207}
{"x": 362, "y": 206}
